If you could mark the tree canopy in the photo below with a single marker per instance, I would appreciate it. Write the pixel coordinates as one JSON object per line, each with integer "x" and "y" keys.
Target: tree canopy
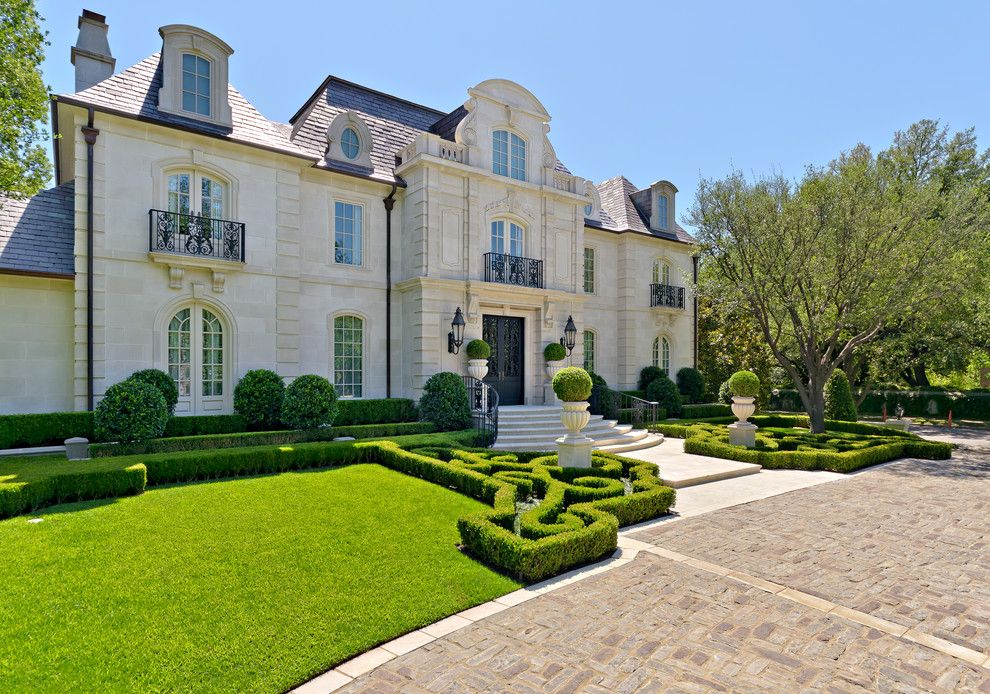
{"x": 824, "y": 264}
{"x": 24, "y": 166}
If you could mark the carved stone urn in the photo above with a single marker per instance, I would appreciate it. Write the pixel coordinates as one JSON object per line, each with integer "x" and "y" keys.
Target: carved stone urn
{"x": 478, "y": 368}
{"x": 743, "y": 407}
{"x": 575, "y": 417}
{"x": 553, "y": 367}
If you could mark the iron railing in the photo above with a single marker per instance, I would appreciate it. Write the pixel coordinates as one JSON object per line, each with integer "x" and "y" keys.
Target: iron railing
{"x": 513, "y": 269}
{"x": 627, "y": 409}
{"x": 191, "y": 234}
{"x": 483, "y": 400}
{"x": 667, "y": 295}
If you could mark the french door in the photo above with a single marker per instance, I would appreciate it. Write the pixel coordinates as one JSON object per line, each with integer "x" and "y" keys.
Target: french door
{"x": 505, "y": 365}
{"x": 197, "y": 360}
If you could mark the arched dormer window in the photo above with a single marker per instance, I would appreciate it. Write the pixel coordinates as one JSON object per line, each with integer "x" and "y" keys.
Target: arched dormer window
{"x": 661, "y": 354}
{"x": 196, "y": 80}
{"x": 349, "y": 139}
{"x": 508, "y": 155}
{"x": 194, "y": 74}
{"x": 507, "y": 237}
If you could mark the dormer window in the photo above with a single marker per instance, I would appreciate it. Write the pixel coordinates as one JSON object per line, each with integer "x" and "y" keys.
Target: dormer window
{"x": 508, "y": 155}
{"x": 662, "y": 203}
{"x": 350, "y": 143}
{"x": 195, "y": 84}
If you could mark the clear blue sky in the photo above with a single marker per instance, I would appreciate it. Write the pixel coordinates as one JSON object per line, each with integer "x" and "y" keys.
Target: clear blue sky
{"x": 651, "y": 90}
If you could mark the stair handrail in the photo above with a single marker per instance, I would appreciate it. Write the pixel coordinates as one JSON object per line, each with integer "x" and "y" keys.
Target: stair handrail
{"x": 483, "y": 402}
{"x": 623, "y": 407}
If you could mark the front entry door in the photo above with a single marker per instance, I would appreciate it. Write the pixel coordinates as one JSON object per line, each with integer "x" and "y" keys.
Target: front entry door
{"x": 505, "y": 366}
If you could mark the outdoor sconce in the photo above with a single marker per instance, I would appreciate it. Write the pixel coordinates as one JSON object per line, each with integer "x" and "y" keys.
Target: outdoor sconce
{"x": 570, "y": 336}
{"x": 455, "y": 338}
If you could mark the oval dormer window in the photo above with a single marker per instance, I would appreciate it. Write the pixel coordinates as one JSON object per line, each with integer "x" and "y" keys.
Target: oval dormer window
{"x": 350, "y": 144}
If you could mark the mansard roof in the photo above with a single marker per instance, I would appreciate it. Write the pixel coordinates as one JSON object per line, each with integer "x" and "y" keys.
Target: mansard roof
{"x": 134, "y": 93}
{"x": 626, "y": 208}
{"x": 37, "y": 233}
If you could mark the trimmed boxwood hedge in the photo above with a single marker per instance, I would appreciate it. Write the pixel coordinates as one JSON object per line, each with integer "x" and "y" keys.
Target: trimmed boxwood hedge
{"x": 973, "y": 404}
{"x": 48, "y": 429}
{"x": 705, "y": 410}
{"x": 40, "y": 482}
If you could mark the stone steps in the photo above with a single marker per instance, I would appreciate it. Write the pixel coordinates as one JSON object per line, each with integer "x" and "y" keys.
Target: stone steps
{"x": 537, "y": 428}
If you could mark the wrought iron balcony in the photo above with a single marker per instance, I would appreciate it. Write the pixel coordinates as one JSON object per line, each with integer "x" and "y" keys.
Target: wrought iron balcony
{"x": 666, "y": 295}
{"x": 513, "y": 269}
{"x": 193, "y": 235}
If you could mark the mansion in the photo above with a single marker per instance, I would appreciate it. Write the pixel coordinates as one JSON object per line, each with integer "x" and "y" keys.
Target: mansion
{"x": 188, "y": 232}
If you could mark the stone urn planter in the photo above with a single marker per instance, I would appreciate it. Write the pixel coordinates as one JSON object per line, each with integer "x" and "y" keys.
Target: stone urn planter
{"x": 573, "y": 386}
{"x": 478, "y": 368}
{"x": 744, "y": 386}
{"x": 743, "y": 407}
{"x": 553, "y": 367}
{"x": 575, "y": 417}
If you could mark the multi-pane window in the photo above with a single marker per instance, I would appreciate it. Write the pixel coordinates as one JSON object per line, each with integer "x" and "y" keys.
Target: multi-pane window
{"x": 508, "y": 155}
{"x": 212, "y": 355}
{"x": 513, "y": 245}
{"x": 180, "y": 352}
{"x": 349, "y": 143}
{"x": 661, "y": 354}
{"x": 589, "y": 270}
{"x": 662, "y": 211}
{"x": 195, "y": 84}
{"x": 661, "y": 272}
{"x": 348, "y": 356}
{"x": 347, "y": 233}
{"x": 195, "y": 193}
{"x": 589, "y": 350}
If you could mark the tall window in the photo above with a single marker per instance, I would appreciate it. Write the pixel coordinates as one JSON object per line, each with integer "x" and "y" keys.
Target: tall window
{"x": 347, "y": 233}
{"x": 661, "y": 354}
{"x": 195, "y": 84}
{"x": 589, "y": 270}
{"x": 196, "y": 361}
{"x": 511, "y": 245}
{"x": 212, "y": 355}
{"x": 350, "y": 144}
{"x": 661, "y": 272}
{"x": 190, "y": 192}
{"x": 662, "y": 211}
{"x": 508, "y": 155}
{"x": 180, "y": 352}
{"x": 348, "y": 356}
{"x": 589, "y": 350}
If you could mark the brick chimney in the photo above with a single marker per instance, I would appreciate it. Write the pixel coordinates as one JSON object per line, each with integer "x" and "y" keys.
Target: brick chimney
{"x": 91, "y": 54}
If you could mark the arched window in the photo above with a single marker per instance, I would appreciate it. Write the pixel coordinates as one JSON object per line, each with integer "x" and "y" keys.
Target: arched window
{"x": 196, "y": 84}
{"x": 196, "y": 359}
{"x": 197, "y": 192}
{"x": 511, "y": 244}
{"x": 661, "y": 354}
{"x": 508, "y": 155}
{"x": 348, "y": 356}
{"x": 589, "y": 350}
{"x": 661, "y": 272}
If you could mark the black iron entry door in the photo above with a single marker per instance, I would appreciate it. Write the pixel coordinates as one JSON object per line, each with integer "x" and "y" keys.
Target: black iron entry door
{"x": 505, "y": 366}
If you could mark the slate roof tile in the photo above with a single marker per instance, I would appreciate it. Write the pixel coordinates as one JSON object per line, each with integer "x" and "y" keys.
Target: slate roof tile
{"x": 37, "y": 233}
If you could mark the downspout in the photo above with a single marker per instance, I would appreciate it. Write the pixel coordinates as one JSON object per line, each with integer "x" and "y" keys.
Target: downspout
{"x": 89, "y": 133}
{"x": 694, "y": 262}
{"x": 389, "y": 202}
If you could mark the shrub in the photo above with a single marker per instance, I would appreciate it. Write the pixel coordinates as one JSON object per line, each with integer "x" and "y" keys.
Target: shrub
{"x": 22, "y": 430}
{"x": 258, "y": 398}
{"x": 572, "y": 384}
{"x": 375, "y": 411}
{"x": 648, "y": 375}
{"x": 691, "y": 384}
{"x": 724, "y": 393}
{"x": 663, "y": 391}
{"x": 745, "y": 384}
{"x": 163, "y": 382}
{"x": 445, "y": 402}
{"x": 597, "y": 380}
{"x": 478, "y": 349}
{"x": 200, "y": 425}
{"x": 310, "y": 402}
{"x": 554, "y": 351}
{"x": 130, "y": 411}
{"x": 69, "y": 481}
{"x": 839, "y": 403}
{"x": 704, "y": 411}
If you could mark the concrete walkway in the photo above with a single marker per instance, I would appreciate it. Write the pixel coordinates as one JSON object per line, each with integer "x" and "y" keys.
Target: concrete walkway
{"x": 679, "y": 469}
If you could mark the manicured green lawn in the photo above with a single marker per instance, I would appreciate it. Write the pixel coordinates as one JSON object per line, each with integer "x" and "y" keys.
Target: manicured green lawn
{"x": 252, "y": 584}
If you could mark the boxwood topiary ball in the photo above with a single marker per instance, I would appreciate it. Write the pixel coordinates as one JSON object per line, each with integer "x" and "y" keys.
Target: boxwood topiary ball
{"x": 310, "y": 402}
{"x": 258, "y": 398}
{"x": 745, "y": 384}
{"x": 130, "y": 411}
{"x": 572, "y": 384}
{"x": 478, "y": 349}
{"x": 554, "y": 351}
{"x": 162, "y": 382}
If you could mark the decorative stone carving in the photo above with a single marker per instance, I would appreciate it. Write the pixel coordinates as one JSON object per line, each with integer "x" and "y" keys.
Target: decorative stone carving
{"x": 473, "y": 309}
{"x": 548, "y": 313}
{"x": 219, "y": 281}
{"x": 175, "y": 275}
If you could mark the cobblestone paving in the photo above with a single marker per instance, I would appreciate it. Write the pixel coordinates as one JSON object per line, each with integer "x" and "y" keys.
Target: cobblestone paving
{"x": 909, "y": 543}
{"x": 653, "y": 626}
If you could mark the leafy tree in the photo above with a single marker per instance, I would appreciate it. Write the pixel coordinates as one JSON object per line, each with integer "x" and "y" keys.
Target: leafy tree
{"x": 825, "y": 263}
{"x": 24, "y": 166}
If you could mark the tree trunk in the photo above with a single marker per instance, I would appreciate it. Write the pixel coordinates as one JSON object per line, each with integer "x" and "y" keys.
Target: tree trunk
{"x": 816, "y": 404}
{"x": 921, "y": 375}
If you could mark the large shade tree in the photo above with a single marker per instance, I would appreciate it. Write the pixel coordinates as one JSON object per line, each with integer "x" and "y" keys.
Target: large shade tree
{"x": 24, "y": 166}
{"x": 825, "y": 263}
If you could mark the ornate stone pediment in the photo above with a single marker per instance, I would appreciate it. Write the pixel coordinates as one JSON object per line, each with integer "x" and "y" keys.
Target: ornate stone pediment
{"x": 511, "y": 204}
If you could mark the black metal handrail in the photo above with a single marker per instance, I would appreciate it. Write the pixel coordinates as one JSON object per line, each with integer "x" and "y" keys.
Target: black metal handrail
{"x": 513, "y": 269}
{"x": 668, "y": 295}
{"x": 627, "y": 409}
{"x": 196, "y": 235}
{"x": 483, "y": 401}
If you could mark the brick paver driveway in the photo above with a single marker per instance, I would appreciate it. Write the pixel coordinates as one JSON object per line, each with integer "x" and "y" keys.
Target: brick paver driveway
{"x": 908, "y": 542}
